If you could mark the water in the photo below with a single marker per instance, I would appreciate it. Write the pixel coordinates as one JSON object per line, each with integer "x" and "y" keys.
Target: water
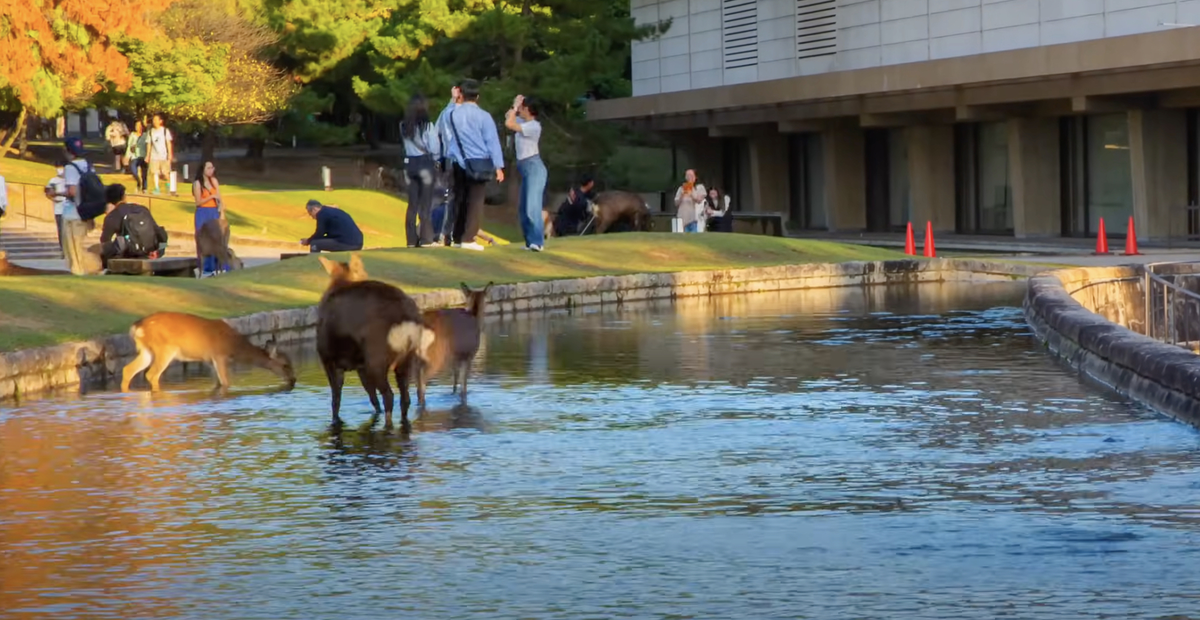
{"x": 891, "y": 453}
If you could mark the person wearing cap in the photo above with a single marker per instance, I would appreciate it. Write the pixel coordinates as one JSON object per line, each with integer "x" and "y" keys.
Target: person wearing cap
{"x": 73, "y": 228}
{"x": 336, "y": 230}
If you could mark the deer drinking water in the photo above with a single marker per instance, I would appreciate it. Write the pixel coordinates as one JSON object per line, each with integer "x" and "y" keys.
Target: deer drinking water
{"x": 372, "y": 328}
{"x": 164, "y": 337}
{"x": 456, "y": 340}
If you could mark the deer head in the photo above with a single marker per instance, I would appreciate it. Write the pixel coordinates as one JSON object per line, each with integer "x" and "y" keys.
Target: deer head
{"x": 476, "y": 299}
{"x": 344, "y": 273}
{"x": 279, "y": 363}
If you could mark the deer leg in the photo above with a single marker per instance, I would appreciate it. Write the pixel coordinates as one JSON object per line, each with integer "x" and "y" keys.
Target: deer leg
{"x": 139, "y": 363}
{"x": 337, "y": 377}
{"x": 422, "y": 377}
{"x": 403, "y": 374}
{"x": 378, "y": 375}
{"x": 221, "y": 371}
{"x": 157, "y": 368}
{"x": 466, "y": 371}
{"x": 454, "y": 376}
{"x": 371, "y": 389}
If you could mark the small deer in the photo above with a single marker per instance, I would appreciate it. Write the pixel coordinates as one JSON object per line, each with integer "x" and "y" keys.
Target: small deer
{"x": 164, "y": 337}
{"x": 372, "y": 328}
{"x": 456, "y": 334}
{"x": 213, "y": 240}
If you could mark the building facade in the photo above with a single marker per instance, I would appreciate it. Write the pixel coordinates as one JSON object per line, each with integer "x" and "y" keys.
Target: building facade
{"x": 1031, "y": 118}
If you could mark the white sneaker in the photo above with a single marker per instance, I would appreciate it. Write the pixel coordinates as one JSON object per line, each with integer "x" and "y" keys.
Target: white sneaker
{"x": 471, "y": 246}
{"x": 535, "y": 248}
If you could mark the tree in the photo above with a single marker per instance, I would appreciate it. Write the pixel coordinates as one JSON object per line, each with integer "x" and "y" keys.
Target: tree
{"x": 58, "y": 53}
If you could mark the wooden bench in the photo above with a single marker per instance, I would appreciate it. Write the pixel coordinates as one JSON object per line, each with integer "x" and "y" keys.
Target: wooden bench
{"x": 287, "y": 255}
{"x": 171, "y": 266}
{"x": 751, "y": 223}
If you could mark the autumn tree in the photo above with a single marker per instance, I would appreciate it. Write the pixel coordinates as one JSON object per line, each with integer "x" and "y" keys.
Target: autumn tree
{"x": 58, "y": 53}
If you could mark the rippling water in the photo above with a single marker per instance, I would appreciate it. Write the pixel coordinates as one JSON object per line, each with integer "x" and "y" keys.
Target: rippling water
{"x": 885, "y": 453}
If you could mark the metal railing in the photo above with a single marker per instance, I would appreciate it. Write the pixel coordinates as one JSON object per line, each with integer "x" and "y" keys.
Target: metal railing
{"x": 28, "y": 206}
{"x": 1171, "y": 310}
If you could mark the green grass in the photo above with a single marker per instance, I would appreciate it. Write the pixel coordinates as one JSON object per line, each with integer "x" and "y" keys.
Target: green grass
{"x": 46, "y": 310}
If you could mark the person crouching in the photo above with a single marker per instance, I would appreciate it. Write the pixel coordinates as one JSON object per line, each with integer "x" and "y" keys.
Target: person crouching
{"x": 130, "y": 231}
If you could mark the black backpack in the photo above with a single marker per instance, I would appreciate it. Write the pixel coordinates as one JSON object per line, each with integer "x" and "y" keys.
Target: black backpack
{"x": 140, "y": 233}
{"x": 89, "y": 201}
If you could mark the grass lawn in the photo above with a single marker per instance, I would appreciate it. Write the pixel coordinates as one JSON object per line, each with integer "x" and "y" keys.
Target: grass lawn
{"x": 47, "y": 310}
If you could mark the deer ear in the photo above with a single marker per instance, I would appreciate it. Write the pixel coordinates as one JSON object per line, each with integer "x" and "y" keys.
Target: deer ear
{"x": 488, "y": 287}
{"x": 329, "y": 265}
{"x": 465, "y": 289}
{"x": 271, "y": 348}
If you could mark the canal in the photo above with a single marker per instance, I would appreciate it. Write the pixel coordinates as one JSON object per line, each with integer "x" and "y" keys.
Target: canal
{"x": 893, "y": 452}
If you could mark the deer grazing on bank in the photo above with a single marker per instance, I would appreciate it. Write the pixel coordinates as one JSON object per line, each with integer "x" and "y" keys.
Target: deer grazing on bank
{"x": 456, "y": 340}
{"x": 372, "y": 328}
{"x": 213, "y": 240}
{"x": 164, "y": 337}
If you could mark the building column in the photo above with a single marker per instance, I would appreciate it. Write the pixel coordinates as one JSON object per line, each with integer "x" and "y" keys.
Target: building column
{"x": 845, "y": 178}
{"x": 1158, "y": 157}
{"x": 931, "y": 176}
{"x": 1033, "y": 166}
{"x": 769, "y": 173}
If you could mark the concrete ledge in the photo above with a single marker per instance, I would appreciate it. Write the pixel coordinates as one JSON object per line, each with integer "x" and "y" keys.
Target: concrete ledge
{"x": 1084, "y": 316}
{"x": 96, "y": 361}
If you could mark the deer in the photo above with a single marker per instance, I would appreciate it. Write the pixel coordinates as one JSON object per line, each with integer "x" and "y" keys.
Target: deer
{"x": 374, "y": 329}
{"x": 164, "y": 337}
{"x": 213, "y": 240}
{"x": 456, "y": 335}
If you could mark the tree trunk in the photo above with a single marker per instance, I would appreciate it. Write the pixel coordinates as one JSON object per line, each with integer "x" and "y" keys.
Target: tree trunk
{"x": 20, "y": 127}
{"x": 256, "y": 148}
{"x": 208, "y": 144}
{"x": 23, "y": 140}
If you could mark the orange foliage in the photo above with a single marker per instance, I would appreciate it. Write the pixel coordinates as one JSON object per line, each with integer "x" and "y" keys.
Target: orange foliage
{"x": 54, "y": 51}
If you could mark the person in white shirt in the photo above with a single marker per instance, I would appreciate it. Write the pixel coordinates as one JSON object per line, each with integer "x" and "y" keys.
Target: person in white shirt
{"x": 117, "y": 134}
{"x": 522, "y": 119}
{"x": 56, "y": 191}
{"x": 162, "y": 151}
{"x": 3, "y": 197}
{"x": 74, "y": 228}
{"x": 421, "y": 146}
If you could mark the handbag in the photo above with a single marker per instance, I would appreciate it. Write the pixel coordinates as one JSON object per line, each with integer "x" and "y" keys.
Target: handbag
{"x": 477, "y": 169}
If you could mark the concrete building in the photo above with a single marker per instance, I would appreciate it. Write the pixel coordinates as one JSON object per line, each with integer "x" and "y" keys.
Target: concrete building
{"x": 1031, "y": 118}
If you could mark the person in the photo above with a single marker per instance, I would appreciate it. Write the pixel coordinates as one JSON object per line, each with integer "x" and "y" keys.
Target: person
{"x": 116, "y": 134}
{"x": 56, "y": 191}
{"x": 446, "y": 166}
{"x": 129, "y": 231}
{"x": 135, "y": 152}
{"x": 162, "y": 150}
{"x": 689, "y": 201}
{"x": 206, "y": 191}
{"x": 74, "y": 227}
{"x": 336, "y": 230}
{"x": 475, "y": 150}
{"x": 421, "y": 143}
{"x": 716, "y": 212}
{"x": 522, "y": 119}
{"x": 573, "y": 213}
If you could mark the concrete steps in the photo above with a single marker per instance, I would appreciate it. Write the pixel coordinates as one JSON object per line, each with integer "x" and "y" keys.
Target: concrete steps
{"x": 30, "y": 244}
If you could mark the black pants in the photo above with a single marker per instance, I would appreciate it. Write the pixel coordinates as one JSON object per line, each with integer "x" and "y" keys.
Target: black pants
{"x": 468, "y": 206}
{"x": 332, "y": 245}
{"x": 420, "y": 201}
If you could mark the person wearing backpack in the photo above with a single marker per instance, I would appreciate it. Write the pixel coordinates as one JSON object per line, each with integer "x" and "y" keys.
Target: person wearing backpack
{"x": 129, "y": 229}
{"x": 84, "y": 192}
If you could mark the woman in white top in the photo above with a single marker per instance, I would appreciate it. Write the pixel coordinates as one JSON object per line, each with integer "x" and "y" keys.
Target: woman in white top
{"x": 56, "y": 190}
{"x": 522, "y": 119}
{"x": 421, "y": 144}
{"x": 689, "y": 201}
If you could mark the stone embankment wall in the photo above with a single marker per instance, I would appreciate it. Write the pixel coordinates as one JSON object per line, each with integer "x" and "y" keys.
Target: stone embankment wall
{"x": 96, "y": 361}
{"x": 1092, "y": 318}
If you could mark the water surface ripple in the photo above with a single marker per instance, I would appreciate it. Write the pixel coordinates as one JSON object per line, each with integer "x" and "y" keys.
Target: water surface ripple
{"x": 907, "y": 452}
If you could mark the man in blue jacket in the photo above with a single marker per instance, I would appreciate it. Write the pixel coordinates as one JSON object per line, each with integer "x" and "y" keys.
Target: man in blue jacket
{"x": 336, "y": 230}
{"x": 474, "y": 148}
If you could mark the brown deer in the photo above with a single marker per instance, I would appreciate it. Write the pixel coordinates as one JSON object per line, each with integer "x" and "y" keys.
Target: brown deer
{"x": 213, "y": 240}
{"x": 10, "y": 269}
{"x": 456, "y": 333}
{"x": 372, "y": 328}
{"x": 164, "y": 337}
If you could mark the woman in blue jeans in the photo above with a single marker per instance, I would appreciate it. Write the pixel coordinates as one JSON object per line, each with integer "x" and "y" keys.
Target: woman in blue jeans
{"x": 522, "y": 119}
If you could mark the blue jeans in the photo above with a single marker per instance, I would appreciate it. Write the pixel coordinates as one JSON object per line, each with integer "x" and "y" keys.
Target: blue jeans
{"x": 533, "y": 187}
{"x": 691, "y": 227}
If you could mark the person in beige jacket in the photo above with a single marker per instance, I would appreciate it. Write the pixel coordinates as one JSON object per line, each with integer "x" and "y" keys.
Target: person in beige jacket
{"x": 689, "y": 201}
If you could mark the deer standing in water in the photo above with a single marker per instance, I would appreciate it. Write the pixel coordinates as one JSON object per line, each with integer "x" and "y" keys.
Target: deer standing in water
{"x": 456, "y": 340}
{"x": 372, "y": 328}
{"x": 164, "y": 337}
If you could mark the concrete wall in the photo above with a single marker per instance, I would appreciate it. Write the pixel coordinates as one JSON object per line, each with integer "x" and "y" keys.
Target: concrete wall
{"x": 98, "y": 361}
{"x": 1090, "y": 317}
{"x": 873, "y": 33}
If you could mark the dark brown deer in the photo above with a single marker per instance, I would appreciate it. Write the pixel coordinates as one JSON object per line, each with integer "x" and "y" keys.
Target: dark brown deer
{"x": 614, "y": 206}
{"x": 456, "y": 334}
{"x": 372, "y": 328}
{"x": 164, "y": 337}
{"x": 213, "y": 240}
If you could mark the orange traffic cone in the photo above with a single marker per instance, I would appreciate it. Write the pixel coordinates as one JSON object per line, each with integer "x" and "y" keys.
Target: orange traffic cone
{"x": 930, "y": 252}
{"x": 1101, "y": 240}
{"x": 910, "y": 247}
{"x": 1131, "y": 239}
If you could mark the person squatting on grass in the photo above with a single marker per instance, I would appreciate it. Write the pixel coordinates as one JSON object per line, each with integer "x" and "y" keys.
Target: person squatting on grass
{"x": 522, "y": 119}
{"x": 475, "y": 149}
{"x": 420, "y": 143}
{"x": 129, "y": 231}
{"x": 336, "y": 230}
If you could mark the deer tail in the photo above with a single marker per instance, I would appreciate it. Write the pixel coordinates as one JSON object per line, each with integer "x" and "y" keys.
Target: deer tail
{"x": 410, "y": 336}
{"x": 136, "y": 333}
